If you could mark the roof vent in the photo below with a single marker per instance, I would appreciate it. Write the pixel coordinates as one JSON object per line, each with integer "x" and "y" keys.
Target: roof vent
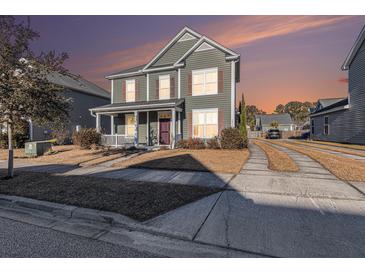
{"x": 204, "y": 46}
{"x": 186, "y": 36}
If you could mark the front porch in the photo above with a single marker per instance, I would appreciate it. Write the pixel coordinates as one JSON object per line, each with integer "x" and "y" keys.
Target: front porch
{"x": 142, "y": 124}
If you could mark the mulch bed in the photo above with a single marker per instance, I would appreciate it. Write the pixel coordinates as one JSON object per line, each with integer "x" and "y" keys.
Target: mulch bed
{"x": 137, "y": 200}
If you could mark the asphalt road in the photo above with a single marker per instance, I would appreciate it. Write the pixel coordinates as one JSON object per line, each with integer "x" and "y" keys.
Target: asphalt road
{"x": 24, "y": 240}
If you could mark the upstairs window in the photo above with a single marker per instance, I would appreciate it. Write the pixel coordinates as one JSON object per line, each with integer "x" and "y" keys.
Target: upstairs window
{"x": 312, "y": 126}
{"x": 205, "y": 123}
{"x": 205, "y": 82}
{"x": 130, "y": 94}
{"x": 326, "y": 126}
{"x": 164, "y": 87}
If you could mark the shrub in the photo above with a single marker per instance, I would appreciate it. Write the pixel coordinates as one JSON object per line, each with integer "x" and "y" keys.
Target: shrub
{"x": 182, "y": 144}
{"x": 231, "y": 139}
{"x": 19, "y": 140}
{"x": 195, "y": 143}
{"x": 62, "y": 137}
{"x": 86, "y": 137}
{"x": 213, "y": 143}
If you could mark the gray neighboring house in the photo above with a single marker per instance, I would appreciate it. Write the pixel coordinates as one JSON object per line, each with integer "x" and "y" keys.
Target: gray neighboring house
{"x": 263, "y": 122}
{"x": 343, "y": 119}
{"x": 84, "y": 95}
{"x": 187, "y": 90}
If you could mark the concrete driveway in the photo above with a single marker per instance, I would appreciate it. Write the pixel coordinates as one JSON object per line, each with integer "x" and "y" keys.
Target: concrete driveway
{"x": 306, "y": 214}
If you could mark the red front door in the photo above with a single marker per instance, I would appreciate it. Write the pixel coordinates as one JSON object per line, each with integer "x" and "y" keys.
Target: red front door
{"x": 164, "y": 131}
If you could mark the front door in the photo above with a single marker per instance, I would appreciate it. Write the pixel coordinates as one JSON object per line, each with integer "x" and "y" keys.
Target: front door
{"x": 164, "y": 131}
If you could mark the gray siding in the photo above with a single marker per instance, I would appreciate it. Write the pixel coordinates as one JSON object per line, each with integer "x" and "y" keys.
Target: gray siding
{"x": 142, "y": 128}
{"x": 117, "y": 89}
{"x": 347, "y": 126}
{"x": 222, "y": 101}
{"x": 79, "y": 115}
{"x": 153, "y": 128}
{"x": 155, "y": 76}
{"x": 175, "y": 52}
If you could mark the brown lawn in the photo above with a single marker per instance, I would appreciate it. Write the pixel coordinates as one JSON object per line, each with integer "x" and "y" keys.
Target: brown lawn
{"x": 227, "y": 161}
{"x": 138, "y": 200}
{"x": 352, "y": 146}
{"x": 278, "y": 160}
{"x": 70, "y": 154}
{"x": 333, "y": 148}
{"x": 342, "y": 167}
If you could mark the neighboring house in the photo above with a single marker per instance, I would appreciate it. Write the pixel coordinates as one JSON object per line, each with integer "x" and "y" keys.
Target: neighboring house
{"x": 264, "y": 121}
{"x": 187, "y": 90}
{"x": 84, "y": 95}
{"x": 343, "y": 119}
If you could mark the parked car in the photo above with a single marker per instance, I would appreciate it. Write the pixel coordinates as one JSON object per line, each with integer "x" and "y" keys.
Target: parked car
{"x": 273, "y": 134}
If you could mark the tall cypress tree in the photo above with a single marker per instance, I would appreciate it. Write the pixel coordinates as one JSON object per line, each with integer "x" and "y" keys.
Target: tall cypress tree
{"x": 243, "y": 121}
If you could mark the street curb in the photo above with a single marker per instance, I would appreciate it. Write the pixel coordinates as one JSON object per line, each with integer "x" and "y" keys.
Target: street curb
{"x": 116, "y": 220}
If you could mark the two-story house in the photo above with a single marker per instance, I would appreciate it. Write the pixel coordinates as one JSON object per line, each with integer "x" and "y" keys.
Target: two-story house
{"x": 343, "y": 119}
{"x": 187, "y": 90}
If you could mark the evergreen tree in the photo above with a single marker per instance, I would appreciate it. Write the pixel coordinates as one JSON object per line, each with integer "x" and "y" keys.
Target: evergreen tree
{"x": 243, "y": 121}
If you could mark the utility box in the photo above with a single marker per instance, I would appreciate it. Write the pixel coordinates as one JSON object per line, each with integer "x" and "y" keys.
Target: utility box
{"x": 34, "y": 149}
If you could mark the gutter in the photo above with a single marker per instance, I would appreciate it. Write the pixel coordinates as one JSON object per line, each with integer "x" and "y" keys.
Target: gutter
{"x": 330, "y": 111}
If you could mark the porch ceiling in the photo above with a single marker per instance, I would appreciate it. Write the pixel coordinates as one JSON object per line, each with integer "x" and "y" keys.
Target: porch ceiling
{"x": 140, "y": 106}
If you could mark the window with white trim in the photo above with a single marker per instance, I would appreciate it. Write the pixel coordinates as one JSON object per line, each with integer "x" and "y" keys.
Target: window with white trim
{"x": 130, "y": 90}
{"x": 205, "y": 82}
{"x": 326, "y": 126}
{"x": 129, "y": 125}
{"x": 164, "y": 87}
{"x": 205, "y": 123}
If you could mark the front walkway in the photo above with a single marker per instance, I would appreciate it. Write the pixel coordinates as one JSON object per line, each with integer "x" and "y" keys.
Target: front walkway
{"x": 104, "y": 170}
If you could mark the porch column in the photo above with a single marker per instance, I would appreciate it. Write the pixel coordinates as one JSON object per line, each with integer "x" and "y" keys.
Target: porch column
{"x": 112, "y": 124}
{"x": 173, "y": 131}
{"x": 97, "y": 122}
{"x": 135, "y": 128}
{"x": 148, "y": 128}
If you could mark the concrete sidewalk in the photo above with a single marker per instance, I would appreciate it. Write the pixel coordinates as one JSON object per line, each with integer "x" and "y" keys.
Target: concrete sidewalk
{"x": 199, "y": 178}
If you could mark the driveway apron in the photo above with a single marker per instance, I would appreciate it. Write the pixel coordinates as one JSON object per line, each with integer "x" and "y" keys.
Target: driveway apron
{"x": 305, "y": 214}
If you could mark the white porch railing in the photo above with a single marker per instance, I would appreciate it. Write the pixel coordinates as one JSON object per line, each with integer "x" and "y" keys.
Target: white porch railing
{"x": 117, "y": 140}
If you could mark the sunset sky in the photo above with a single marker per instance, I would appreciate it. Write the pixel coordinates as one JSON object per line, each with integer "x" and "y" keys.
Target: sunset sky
{"x": 283, "y": 58}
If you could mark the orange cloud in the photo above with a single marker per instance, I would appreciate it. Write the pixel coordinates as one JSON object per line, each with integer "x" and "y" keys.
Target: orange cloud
{"x": 236, "y": 32}
{"x": 343, "y": 80}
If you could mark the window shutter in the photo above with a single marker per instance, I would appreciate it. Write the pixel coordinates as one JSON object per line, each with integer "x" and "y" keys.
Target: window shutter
{"x": 190, "y": 84}
{"x": 172, "y": 87}
{"x": 220, "y": 121}
{"x": 220, "y": 81}
{"x": 123, "y": 91}
{"x": 157, "y": 89}
{"x": 190, "y": 124}
{"x": 137, "y": 93}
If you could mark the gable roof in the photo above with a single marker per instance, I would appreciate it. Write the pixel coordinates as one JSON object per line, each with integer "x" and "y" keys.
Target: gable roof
{"x": 331, "y": 104}
{"x": 211, "y": 42}
{"x": 172, "y": 41}
{"x": 354, "y": 50}
{"x": 150, "y": 66}
{"x": 329, "y": 101}
{"x": 77, "y": 83}
{"x": 282, "y": 119}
